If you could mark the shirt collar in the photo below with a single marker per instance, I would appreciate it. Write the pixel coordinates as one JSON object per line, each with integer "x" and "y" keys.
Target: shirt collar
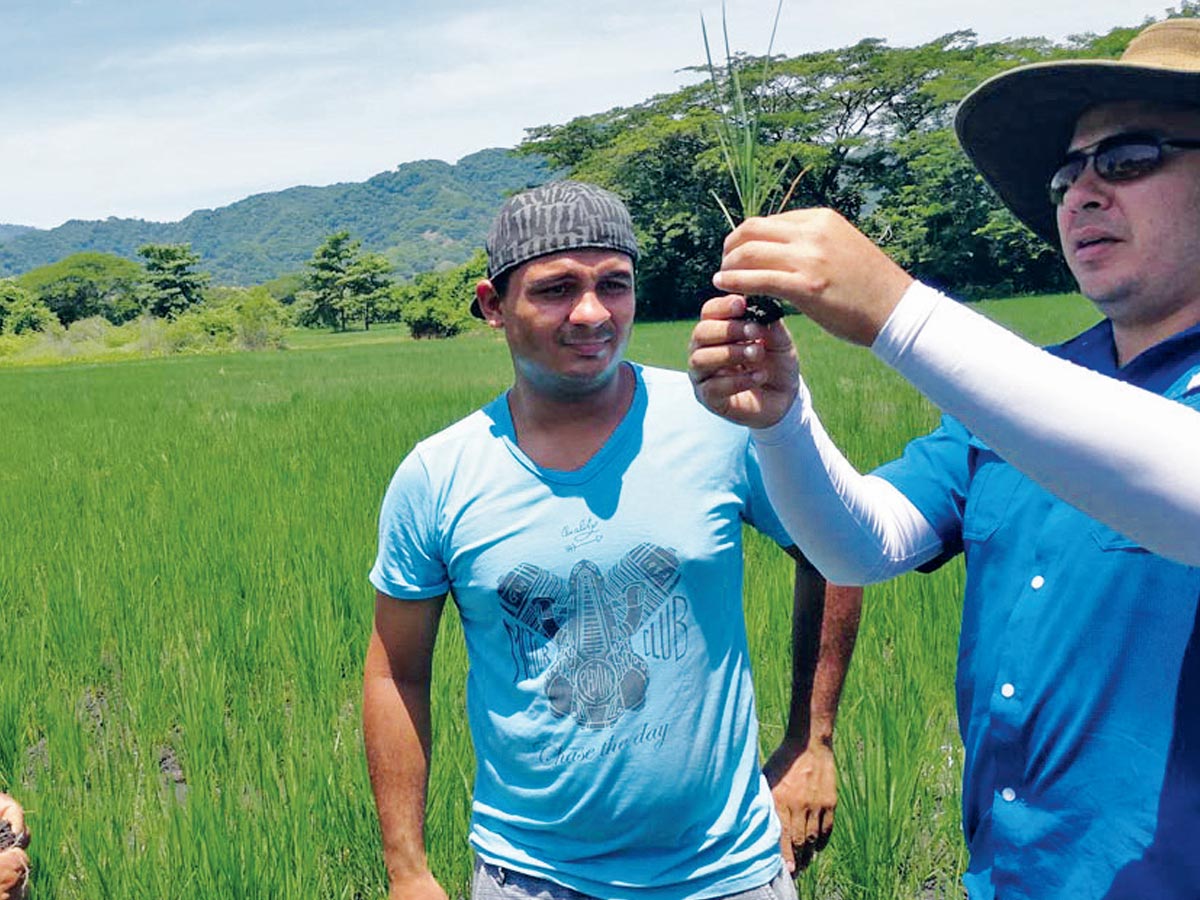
{"x": 1096, "y": 349}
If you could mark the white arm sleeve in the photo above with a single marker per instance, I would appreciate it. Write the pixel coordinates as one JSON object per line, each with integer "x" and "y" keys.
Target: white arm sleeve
{"x": 1123, "y": 455}
{"x": 856, "y": 529}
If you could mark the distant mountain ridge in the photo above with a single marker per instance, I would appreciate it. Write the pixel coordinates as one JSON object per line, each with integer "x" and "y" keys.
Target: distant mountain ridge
{"x": 421, "y": 215}
{"x": 7, "y": 232}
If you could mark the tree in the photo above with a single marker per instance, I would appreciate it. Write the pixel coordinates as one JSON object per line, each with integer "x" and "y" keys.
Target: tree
{"x": 10, "y": 294}
{"x": 21, "y": 311}
{"x": 931, "y": 204}
{"x": 1023, "y": 262}
{"x": 87, "y": 284}
{"x": 343, "y": 284}
{"x": 172, "y": 284}
{"x": 364, "y": 287}
{"x": 322, "y": 294}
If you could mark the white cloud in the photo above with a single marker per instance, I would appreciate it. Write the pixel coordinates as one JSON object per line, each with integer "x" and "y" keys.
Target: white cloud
{"x": 226, "y": 50}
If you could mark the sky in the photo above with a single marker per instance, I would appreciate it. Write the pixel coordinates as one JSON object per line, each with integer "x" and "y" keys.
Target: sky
{"x": 155, "y": 108}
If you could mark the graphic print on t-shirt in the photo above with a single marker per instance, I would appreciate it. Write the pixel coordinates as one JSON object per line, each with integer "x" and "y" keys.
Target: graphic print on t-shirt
{"x": 578, "y": 630}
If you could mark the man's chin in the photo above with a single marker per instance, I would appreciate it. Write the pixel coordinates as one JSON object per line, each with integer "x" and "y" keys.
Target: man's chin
{"x": 581, "y": 384}
{"x": 571, "y": 385}
{"x": 1109, "y": 296}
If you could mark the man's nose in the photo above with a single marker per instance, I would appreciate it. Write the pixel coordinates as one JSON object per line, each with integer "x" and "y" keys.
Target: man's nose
{"x": 1089, "y": 189}
{"x": 588, "y": 310}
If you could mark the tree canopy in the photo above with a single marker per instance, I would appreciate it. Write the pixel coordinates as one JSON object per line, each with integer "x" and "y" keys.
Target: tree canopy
{"x": 87, "y": 284}
{"x": 20, "y": 311}
{"x": 864, "y": 129}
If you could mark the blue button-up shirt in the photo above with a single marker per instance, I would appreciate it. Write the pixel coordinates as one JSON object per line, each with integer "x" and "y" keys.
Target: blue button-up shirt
{"x": 1078, "y": 681}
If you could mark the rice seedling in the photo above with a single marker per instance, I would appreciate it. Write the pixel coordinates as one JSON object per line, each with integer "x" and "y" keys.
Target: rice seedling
{"x": 756, "y": 184}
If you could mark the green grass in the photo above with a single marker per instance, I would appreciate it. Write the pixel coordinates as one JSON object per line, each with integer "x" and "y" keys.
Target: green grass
{"x": 184, "y": 545}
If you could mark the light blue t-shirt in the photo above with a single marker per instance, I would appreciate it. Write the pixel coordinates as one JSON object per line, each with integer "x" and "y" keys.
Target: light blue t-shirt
{"x": 609, "y": 693}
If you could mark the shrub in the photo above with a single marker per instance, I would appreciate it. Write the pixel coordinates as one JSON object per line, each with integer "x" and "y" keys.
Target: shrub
{"x": 11, "y": 344}
{"x": 438, "y": 304}
{"x": 238, "y": 319}
{"x": 202, "y": 328}
{"x": 94, "y": 329}
{"x": 261, "y": 320}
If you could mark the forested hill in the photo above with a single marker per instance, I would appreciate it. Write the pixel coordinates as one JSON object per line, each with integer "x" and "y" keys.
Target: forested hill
{"x": 419, "y": 215}
{"x": 8, "y": 232}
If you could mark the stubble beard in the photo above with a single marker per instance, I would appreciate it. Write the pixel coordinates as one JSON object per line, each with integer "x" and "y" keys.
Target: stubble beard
{"x": 564, "y": 386}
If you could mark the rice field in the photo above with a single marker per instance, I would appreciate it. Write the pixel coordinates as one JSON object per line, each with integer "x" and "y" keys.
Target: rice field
{"x": 184, "y": 608}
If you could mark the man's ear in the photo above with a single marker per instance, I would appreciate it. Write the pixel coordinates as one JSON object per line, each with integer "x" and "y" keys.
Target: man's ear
{"x": 489, "y": 303}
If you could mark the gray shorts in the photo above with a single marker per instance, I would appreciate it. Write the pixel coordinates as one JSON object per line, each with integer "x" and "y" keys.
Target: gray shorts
{"x": 496, "y": 883}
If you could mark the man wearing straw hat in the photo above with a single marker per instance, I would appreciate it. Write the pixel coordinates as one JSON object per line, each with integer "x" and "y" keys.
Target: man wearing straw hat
{"x": 1069, "y": 478}
{"x": 588, "y": 523}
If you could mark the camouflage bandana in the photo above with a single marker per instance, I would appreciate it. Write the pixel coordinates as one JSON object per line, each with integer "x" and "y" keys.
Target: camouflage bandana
{"x": 561, "y": 215}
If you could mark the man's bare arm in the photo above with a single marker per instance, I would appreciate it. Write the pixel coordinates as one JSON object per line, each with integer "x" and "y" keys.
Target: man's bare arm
{"x": 801, "y": 772}
{"x": 397, "y": 735}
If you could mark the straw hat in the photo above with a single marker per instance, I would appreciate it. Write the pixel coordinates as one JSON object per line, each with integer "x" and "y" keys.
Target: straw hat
{"x": 1016, "y": 126}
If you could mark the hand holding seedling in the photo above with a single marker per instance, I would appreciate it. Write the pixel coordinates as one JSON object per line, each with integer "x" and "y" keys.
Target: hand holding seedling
{"x": 819, "y": 263}
{"x": 740, "y": 369}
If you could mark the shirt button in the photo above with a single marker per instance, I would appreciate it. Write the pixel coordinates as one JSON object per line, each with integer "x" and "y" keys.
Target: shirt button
{"x": 1009, "y": 795}
{"x": 1007, "y": 690}
{"x": 1037, "y": 582}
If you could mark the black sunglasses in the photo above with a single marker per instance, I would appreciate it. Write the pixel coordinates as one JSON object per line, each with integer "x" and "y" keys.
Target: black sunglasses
{"x": 1121, "y": 157}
